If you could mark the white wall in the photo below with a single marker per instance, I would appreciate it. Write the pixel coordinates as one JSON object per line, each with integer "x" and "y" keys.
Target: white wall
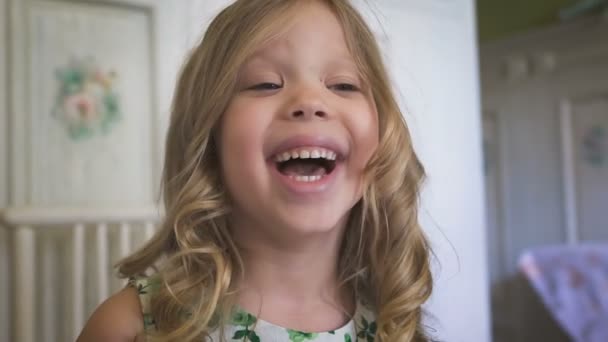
{"x": 434, "y": 61}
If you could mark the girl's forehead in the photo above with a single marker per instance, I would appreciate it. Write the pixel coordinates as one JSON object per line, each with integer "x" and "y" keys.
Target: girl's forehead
{"x": 283, "y": 47}
{"x": 313, "y": 30}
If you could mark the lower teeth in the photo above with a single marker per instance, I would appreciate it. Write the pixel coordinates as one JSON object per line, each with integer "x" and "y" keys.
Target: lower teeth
{"x": 306, "y": 178}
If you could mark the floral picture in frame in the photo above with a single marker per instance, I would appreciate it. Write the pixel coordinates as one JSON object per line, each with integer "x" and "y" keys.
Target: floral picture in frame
{"x": 92, "y": 124}
{"x": 86, "y": 101}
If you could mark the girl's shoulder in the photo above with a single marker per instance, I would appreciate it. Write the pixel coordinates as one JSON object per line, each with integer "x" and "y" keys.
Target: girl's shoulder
{"x": 119, "y": 318}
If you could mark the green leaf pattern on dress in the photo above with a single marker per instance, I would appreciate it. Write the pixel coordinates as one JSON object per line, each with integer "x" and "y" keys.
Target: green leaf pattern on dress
{"x": 299, "y": 336}
{"x": 367, "y": 330}
{"x": 246, "y": 323}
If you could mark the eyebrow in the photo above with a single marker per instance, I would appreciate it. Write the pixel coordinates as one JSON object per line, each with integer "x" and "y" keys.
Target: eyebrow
{"x": 346, "y": 61}
{"x": 267, "y": 58}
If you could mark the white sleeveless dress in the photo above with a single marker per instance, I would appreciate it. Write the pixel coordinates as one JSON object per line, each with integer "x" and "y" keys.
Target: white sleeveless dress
{"x": 246, "y": 327}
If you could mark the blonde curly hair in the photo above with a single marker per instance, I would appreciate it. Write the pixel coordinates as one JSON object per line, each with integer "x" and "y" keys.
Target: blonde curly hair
{"x": 384, "y": 259}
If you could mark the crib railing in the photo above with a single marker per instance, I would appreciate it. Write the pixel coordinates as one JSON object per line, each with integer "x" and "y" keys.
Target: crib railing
{"x": 62, "y": 264}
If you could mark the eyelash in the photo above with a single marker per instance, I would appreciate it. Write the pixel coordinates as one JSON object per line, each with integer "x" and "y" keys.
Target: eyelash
{"x": 266, "y": 86}
{"x": 347, "y": 87}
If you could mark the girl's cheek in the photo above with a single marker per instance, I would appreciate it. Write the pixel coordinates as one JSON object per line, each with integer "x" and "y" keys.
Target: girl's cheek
{"x": 365, "y": 133}
{"x": 243, "y": 132}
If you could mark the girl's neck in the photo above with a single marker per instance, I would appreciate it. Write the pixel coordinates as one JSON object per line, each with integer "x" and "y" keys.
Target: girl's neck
{"x": 285, "y": 280}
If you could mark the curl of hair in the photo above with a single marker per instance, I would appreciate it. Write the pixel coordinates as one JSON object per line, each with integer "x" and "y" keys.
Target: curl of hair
{"x": 384, "y": 258}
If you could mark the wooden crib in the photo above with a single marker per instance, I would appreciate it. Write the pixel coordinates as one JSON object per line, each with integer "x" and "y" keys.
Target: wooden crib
{"x": 60, "y": 265}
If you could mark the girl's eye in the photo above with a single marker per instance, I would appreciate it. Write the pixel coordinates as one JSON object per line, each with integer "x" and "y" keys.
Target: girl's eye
{"x": 345, "y": 87}
{"x": 266, "y": 86}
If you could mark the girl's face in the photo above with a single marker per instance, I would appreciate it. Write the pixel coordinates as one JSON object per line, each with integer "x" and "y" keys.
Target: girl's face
{"x": 298, "y": 133}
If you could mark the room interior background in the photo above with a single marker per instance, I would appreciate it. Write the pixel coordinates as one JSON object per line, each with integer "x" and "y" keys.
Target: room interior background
{"x": 79, "y": 187}
{"x": 85, "y": 90}
{"x": 544, "y": 77}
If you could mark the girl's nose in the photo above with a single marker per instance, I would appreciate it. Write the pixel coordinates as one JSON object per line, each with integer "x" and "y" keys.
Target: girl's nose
{"x": 308, "y": 105}
{"x": 308, "y": 113}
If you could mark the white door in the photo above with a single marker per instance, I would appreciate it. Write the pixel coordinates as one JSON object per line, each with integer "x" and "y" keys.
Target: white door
{"x": 583, "y": 110}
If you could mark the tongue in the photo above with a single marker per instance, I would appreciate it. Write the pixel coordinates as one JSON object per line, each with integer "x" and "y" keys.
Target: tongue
{"x": 298, "y": 168}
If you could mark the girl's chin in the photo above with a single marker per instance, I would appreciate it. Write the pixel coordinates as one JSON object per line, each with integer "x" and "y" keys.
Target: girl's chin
{"x": 303, "y": 223}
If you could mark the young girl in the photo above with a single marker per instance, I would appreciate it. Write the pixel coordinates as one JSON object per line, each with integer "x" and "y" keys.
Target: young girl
{"x": 291, "y": 190}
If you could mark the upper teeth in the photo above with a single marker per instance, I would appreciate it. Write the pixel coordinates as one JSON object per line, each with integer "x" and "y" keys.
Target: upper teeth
{"x": 306, "y": 153}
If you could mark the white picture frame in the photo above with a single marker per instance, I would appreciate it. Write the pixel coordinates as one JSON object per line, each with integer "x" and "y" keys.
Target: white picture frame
{"x": 573, "y": 121}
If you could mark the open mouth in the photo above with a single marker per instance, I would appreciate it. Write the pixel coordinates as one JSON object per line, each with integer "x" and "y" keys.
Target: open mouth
{"x": 306, "y": 164}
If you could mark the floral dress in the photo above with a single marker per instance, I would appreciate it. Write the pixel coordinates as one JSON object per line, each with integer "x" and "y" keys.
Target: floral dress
{"x": 246, "y": 327}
